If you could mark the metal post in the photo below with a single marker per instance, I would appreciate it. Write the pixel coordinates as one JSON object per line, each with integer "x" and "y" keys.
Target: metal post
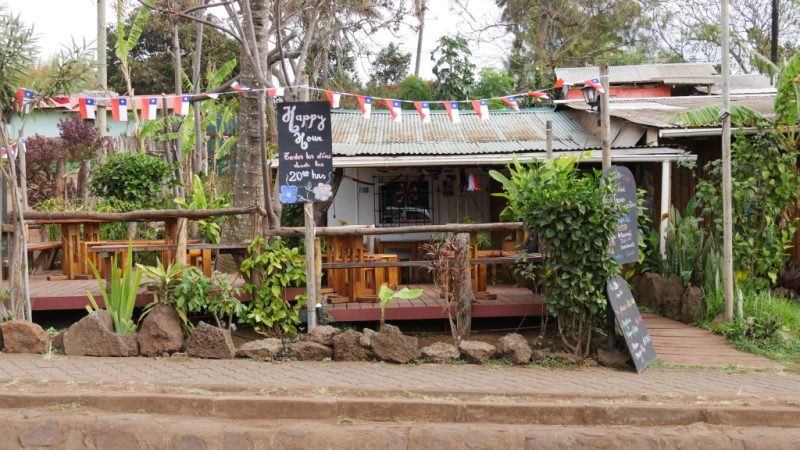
{"x": 102, "y": 69}
{"x": 549, "y": 125}
{"x": 666, "y": 178}
{"x": 605, "y": 117}
{"x": 727, "y": 204}
{"x": 311, "y": 276}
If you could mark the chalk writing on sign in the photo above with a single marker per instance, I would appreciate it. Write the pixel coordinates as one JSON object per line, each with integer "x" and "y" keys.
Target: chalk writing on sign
{"x": 626, "y": 239}
{"x": 305, "y": 154}
{"x": 630, "y": 323}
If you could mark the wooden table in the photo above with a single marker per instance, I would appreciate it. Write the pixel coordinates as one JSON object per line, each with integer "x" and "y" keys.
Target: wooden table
{"x": 72, "y": 256}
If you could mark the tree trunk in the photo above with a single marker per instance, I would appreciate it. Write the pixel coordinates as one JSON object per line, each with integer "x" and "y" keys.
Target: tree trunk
{"x": 773, "y": 50}
{"x": 60, "y": 180}
{"x": 464, "y": 293}
{"x": 83, "y": 178}
{"x": 178, "y": 143}
{"x": 321, "y": 209}
{"x": 420, "y": 12}
{"x": 248, "y": 185}
{"x": 199, "y": 161}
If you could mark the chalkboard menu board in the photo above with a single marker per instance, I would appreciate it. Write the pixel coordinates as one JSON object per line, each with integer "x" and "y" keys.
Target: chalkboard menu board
{"x": 626, "y": 240}
{"x": 631, "y": 323}
{"x": 305, "y": 153}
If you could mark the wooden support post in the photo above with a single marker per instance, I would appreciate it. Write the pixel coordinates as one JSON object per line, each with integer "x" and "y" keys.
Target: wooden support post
{"x": 549, "y": 131}
{"x": 666, "y": 187}
{"x": 464, "y": 295}
{"x": 170, "y": 238}
{"x": 180, "y": 252}
{"x": 311, "y": 276}
{"x": 605, "y": 117}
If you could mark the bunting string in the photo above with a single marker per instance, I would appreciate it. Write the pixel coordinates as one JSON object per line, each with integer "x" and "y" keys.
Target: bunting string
{"x": 148, "y": 105}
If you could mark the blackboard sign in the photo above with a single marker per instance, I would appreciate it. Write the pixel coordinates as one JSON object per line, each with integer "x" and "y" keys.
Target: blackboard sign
{"x": 626, "y": 240}
{"x": 630, "y": 322}
{"x": 305, "y": 153}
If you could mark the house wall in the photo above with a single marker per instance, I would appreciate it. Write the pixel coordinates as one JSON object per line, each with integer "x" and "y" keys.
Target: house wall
{"x": 355, "y": 202}
{"x": 628, "y": 92}
{"x": 45, "y": 123}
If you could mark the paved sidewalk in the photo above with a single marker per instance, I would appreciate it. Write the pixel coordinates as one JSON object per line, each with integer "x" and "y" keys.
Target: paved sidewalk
{"x": 246, "y": 375}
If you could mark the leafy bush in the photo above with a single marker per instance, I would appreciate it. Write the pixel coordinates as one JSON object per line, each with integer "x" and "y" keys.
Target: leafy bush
{"x": 269, "y": 270}
{"x": 215, "y": 295}
{"x": 210, "y": 227}
{"x": 766, "y": 183}
{"x": 574, "y": 215}
{"x": 120, "y": 296}
{"x": 136, "y": 178}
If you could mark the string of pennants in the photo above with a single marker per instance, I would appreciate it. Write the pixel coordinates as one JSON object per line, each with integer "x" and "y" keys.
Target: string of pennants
{"x": 148, "y": 105}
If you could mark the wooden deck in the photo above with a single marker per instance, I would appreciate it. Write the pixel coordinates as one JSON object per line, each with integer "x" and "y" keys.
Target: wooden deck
{"x": 511, "y": 302}
{"x": 680, "y": 344}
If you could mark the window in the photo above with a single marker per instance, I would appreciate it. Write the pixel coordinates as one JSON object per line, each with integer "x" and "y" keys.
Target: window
{"x": 403, "y": 201}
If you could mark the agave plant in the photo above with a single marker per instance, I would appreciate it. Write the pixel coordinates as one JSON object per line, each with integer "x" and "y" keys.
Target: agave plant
{"x": 119, "y": 296}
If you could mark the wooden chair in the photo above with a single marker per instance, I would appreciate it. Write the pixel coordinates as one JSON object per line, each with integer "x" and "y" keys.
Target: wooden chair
{"x": 348, "y": 283}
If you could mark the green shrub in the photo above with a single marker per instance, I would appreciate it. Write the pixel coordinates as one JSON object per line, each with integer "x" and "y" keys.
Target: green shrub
{"x": 210, "y": 227}
{"x": 269, "y": 269}
{"x": 574, "y": 215}
{"x": 215, "y": 295}
{"x": 136, "y": 178}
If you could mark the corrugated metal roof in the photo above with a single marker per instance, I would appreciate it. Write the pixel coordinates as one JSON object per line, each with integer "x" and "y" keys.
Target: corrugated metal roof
{"x": 504, "y": 132}
{"x": 678, "y": 73}
{"x": 655, "y": 112}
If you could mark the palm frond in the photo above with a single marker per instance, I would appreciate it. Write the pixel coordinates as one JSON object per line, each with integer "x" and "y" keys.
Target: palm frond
{"x": 764, "y": 66}
{"x": 786, "y": 102}
{"x": 741, "y": 116}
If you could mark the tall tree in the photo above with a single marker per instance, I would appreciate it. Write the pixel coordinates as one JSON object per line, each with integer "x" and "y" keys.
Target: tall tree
{"x": 453, "y": 69}
{"x": 390, "y": 66}
{"x": 420, "y": 8}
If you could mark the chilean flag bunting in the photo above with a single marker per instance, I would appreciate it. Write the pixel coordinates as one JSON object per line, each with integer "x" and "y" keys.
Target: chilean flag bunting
{"x": 596, "y": 84}
{"x": 119, "y": 109}
{"x": 239, "y": 87}
{"x": 275, "y": 92}
{"x": 452, "y": 111}
{"x": 180, "y": 105}
{"x": 334, "y": 98}
{"x": 482, "y": 108}
{"x": 365, "y": 103}
{"x": 87, "y": 108}
{"x": 511, "y": 102}
{"x": 149, "y": 108}
{"x": 538, "y": 94}
{"x": 424, "y": 110}
{"x": 395, "y": 109}
{"x": 24, "y": 98}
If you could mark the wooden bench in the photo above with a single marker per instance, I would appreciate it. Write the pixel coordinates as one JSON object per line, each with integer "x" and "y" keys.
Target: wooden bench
{"x": 199, "y": 254}
{"x": 47, "y": 253}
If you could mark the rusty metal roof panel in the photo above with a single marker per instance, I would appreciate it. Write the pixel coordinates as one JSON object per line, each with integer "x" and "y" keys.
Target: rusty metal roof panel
{"x": 677, "y": 73}
{"x": 504, "y": 132}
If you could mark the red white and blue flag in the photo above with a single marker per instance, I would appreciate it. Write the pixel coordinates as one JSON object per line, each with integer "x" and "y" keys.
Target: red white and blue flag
{"x": 180, "y": 105}
{"x": 61, "y": 100}
{"x": 240, "y": 87}
{"x": 482, "y": 108}
{"x": 24, "y": 98}
{"x": 4, "y": 152}
{"x": 596, "y": 84}
{"x": 149, "y": 108}
{"x": 395, "y": 109}
{"x": 538, "y": 94}
{"x": 424, "y": 110}
{"x": 119, "y": 109}
{"x": 276, "y": 92}
{"x": 452, "y": 111}
{"x": 365, "y": 103}
{"x": 334, "y": 98}
{"x": 87, "y": 108}
{"x": 511, "y": 101}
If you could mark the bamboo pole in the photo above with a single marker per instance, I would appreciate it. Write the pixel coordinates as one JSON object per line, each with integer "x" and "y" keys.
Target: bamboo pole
{"x": 727, "y": 203}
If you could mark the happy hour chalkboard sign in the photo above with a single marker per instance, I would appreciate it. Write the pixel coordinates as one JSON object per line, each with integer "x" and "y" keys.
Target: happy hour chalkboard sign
{"x": 305, "y": 153}
{"x": 626, "y": 240}
{"x": 630, "y": 322}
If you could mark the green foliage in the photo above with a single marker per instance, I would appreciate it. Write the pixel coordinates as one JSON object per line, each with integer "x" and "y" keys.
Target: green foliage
{"x": 685, "y": 246}
{"x": 137, "y": 178}
{"x": 5, "y": 313}
{"x": 388, "y": 296}
{"x": 17, "y": 52}
{"x": 414, "y": 88}
{"x": 162, "y": 280}
{"x": 199, "y": 294}
{"x": 453, "y": 69}
{"x": 494, "y": 84}
{"x": 574, "y": 216}
{"x": 483, "y": 239}
{"x": 765, "y": 192}
{"x": 269, "y": 270}
{"x": 120, "y": 296}
{"x": 787, "y": 102}
{"x": 390, "y": 66}
{"x": 210, "y": 228}
{"x": 741, "y": 116}
{"x": 124, "y": 44}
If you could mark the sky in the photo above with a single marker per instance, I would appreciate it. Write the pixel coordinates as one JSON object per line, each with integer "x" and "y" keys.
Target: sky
{"x": 57, "y": 22}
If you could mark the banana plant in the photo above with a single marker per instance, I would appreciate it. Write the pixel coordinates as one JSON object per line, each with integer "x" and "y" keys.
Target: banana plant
{"x": 388, "y": 296}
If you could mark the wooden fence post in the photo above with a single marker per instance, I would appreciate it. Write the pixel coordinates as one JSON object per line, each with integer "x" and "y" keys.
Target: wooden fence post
{"x": 311, "y": 276}
{"x": 464, "y": 293}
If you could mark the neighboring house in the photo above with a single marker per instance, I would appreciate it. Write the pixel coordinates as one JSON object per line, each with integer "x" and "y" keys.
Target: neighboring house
{"x": 44, "y": 120}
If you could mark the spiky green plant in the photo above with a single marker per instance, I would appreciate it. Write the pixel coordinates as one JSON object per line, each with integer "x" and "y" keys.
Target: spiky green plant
{"x": 120, "y": 296}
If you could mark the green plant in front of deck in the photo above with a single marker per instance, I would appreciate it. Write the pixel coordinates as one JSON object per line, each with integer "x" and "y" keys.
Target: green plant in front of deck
{"x": 388, "y": 296}
{"x": 119, "y": 296}
{"x": 199, "y": 294}
{"x": 269, "y": 270}
{"x": 575, "y": 216}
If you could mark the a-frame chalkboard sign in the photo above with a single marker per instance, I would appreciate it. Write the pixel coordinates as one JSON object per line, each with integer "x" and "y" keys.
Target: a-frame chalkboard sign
{"x": 631, "y": 323}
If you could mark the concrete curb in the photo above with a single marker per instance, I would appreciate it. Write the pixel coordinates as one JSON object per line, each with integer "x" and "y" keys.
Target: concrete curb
{"x": 400, "y": 410}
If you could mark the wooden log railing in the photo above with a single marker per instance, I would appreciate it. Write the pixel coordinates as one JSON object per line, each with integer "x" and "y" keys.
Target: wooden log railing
{"x": 139, "y": 216}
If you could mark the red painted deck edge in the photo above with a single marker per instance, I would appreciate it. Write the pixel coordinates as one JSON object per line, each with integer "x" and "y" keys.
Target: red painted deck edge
{"x": 482, "y": 310}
